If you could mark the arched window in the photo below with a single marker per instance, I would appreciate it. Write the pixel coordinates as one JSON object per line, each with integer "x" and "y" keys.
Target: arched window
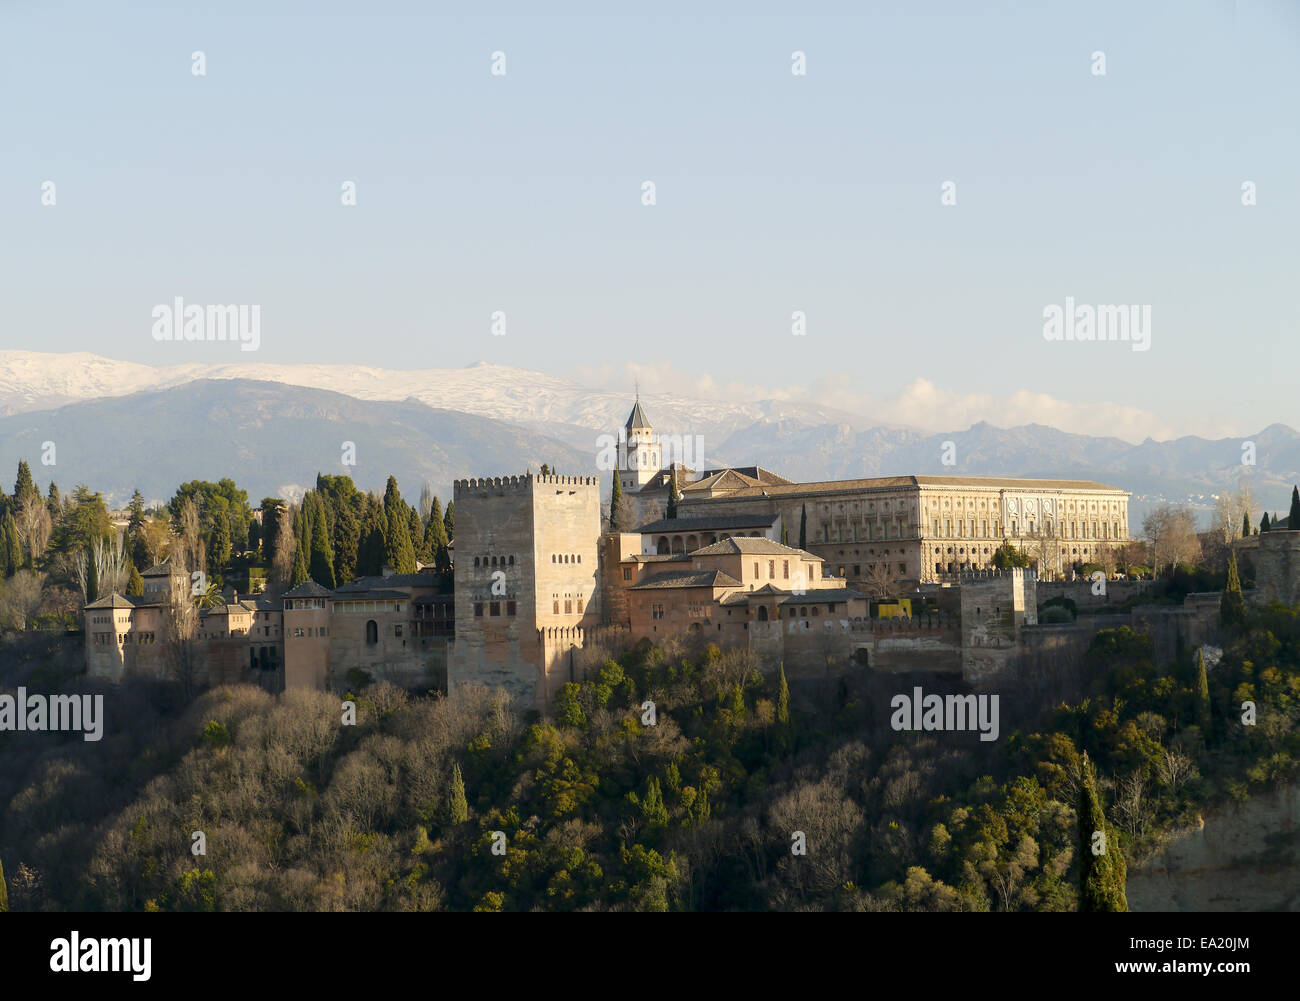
{"x": 762, "y": 613}
{"x": 372, "y": 632}
{"x": 476, "y": 561}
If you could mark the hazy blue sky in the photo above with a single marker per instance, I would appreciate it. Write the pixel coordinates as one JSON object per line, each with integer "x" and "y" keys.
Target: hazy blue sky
{"x": 775, "y": 193}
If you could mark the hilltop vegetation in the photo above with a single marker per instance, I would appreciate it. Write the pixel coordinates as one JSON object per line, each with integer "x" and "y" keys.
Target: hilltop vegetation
{"x": 600, "y": 811}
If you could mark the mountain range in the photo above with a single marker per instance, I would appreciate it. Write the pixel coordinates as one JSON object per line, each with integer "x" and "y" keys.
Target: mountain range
{"x": 119, "y": 426}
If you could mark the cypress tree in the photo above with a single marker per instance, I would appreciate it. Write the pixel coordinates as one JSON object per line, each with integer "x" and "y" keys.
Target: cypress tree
{"x": 347, "y": 544}
{"x": 373, "y": 547}
{"x": 457, "y": 807}
{"x": 782, "y": 699}
{"x": 24, "y": 486}
{"x": 1293, "y": 523}
{"x": 400, "y": 554}
{"x": 1232, "y": 609}
{"x": 449, "y": 522}
{"x": 1101, "y": 877}
{"x": 299, "y": 566}
{"x": 419, "y": 541}
{"x": 1202, "y": 695}
{"x": 219, "y": 546}
{"x": 615, "y": 502}
{"x": 803, "y": 527}
{"x": 672, "y": 493}
{"x": 436, "y": 533}
{"x": 92, "y": 578}
{"x": 135, "y": 583}
{"x": 321, "y": 567}
{"x": 1263, "y": 522}
{"x": 1245, "y": 525}
{"x": 12, "y": 544}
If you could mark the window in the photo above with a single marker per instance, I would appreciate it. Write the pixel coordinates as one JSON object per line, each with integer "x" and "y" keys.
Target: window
{"x": 397, "y": 630}
{"x": 756, "y": 568}
{"x": 298, "y": 633}
{"x": 494, "y": 609}
{"x": 372, "y": 632}
{"x": 478, "y": 609}
{"x": 627, "y": 573}
{"x": 580, "y": 604}
{"x": 568, "y": 607}
{"x": 656, "y": 611}
{"x": 771, "y": 569}
{"x": 785, "y": 569}
{"x": 555, "y": 608}
{"x": 510, "y": 608}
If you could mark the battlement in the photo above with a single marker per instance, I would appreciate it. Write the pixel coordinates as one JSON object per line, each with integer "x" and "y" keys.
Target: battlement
{"x": 557, "y": 634}
{"x": 992, "y": 573}
{"x": 488, "y": 486}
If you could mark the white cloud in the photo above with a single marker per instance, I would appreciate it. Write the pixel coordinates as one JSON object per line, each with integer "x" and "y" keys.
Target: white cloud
{"x": 920, "y": 404}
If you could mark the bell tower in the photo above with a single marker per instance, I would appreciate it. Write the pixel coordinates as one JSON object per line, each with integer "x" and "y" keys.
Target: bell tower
{"x": 639, "y": 454}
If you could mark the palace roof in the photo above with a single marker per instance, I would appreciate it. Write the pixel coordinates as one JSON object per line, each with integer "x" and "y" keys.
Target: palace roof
{"x": 753, "y": 547}
{"x": 687, "y": 578}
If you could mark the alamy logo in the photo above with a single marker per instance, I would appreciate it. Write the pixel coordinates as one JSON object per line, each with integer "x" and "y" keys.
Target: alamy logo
{"x": 102, "y": 955}
{"x": 53, "y": 712}
{"x": 952, "y": 712}
{"x": 1098, "y": 323}
{"x": 179, "y": 322}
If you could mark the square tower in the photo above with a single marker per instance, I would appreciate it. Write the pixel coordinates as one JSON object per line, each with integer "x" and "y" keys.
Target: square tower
{"x": 526, "y": 579}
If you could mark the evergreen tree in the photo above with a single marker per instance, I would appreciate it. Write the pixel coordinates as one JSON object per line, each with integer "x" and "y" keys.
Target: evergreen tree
{"x": 803, "y": 527}
{"x": 347, "y": 542}
{"x": 272, "y": 510}
{"x": 1232, "y": 609}
{"x": 6, "y": 568}
{"x": 449, "y": 522}
{"x": 300, "y": 574}
{"x": 135, "y": 584}
{"x": 1101, "y": 876}
{"x": 672, "y": 492}
{"x": 1202, "y": 692}
{"x": 1263, "y": 522}
{"x": 24, "y": 486}
{"x": 615, "y": 502}
{"x": 92, "y": 578}
{"x": 419, "y": 542}
{"x": 219, "y": 549}
{"x": 321, "y": 565}
{"x": 13, "y": 546}
{"x": 373, "y": 547}
{"x": 457, "y": 807}
{"x": 782, "y": 699}
{"x": 1293, "y": 523}
{"x": 436, "y": 533}
{"x": 399, "y": 553}
{"x": 1245, "y": 525}
{"x": 652, "y": 804}
{"x": 54, "y": 502}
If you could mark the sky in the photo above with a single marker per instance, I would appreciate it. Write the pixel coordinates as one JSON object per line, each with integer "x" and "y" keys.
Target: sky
{"x": 775, "y": 193}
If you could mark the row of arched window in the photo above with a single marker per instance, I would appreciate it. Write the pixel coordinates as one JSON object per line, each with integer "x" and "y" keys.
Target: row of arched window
{"x": 566, "y": 558}
{"x": 502, "y": 561}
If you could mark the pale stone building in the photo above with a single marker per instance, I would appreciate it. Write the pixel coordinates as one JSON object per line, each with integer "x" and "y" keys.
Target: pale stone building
{"x": 527, "y": 566}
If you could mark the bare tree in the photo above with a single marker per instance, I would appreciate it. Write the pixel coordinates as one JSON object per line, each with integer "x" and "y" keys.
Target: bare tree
{"x": 282, "y": 564}
{"x": 110, "y": 565}
{"x": 20, "y": 598}
{"x": 880, "y": 583}
{"x": 34, "y": 528}
{"x": 1171, "y": 533}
